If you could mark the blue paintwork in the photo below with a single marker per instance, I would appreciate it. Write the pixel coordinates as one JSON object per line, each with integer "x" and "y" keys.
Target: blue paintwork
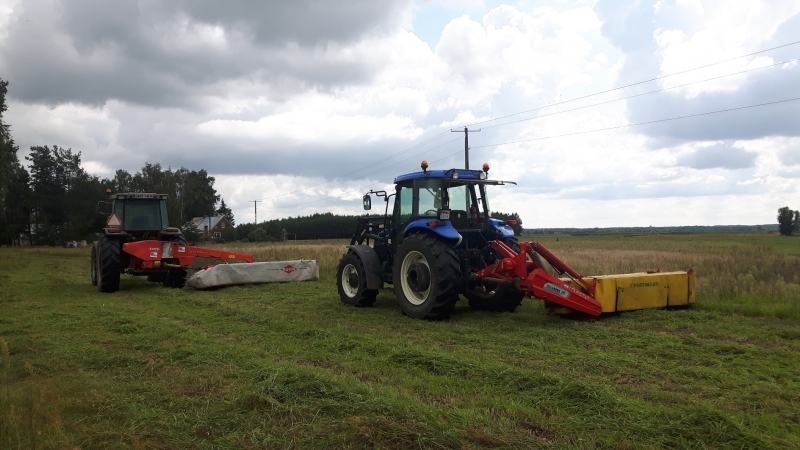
{"x": 495, "y": 224}
{"x": 463, "y": 174}
{"x": 446, "y": 231}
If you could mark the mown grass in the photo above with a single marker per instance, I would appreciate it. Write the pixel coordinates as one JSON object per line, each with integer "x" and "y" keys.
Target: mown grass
{"x": 279, "y": 366}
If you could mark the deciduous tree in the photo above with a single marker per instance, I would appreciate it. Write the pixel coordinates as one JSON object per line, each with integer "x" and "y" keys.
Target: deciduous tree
{"x": 788, "y": 221}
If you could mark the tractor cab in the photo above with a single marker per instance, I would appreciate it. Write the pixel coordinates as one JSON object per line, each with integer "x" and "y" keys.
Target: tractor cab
{"x": 453, "y": 204}
{"x": 137, "y": 215}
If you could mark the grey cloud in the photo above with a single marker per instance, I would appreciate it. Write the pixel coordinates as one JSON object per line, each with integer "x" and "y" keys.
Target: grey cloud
{"x": 631, "y": 29}
{"x": 718, "y": 156}
{"x": 91, "y": 52}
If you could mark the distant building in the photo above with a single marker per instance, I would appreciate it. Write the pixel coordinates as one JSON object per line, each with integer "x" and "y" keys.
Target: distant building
{"x": 213, "y": 227}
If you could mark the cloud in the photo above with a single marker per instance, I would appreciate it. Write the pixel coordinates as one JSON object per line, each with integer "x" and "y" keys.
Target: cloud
{"x": 170, "y": 53}
{"x": 718, "y": 155}
{"x": 322, "y": 100}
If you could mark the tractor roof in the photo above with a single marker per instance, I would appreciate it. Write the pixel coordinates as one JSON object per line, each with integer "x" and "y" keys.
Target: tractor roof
{"x": 137, "y": 196}
{"x": 468, "y": 176}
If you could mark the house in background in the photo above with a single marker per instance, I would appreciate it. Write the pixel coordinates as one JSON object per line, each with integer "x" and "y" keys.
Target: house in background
{"x": 213, "y": 227}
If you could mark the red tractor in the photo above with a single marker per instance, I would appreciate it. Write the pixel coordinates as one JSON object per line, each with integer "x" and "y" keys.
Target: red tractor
{"x": 138, "y": 240}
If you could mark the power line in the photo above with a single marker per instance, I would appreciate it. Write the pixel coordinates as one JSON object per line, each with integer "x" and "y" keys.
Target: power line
{"x": 636, "y": 83}
{"x": 568, "y": 101}
{"x": 548, "y": 106}
{"x": 642, "y": 94}
{"x": 639, "y": 123}
{"x": 559, "y": 136}
{"x": 362, "y": 167}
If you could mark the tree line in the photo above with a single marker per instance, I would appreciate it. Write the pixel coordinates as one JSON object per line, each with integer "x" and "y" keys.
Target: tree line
{"x": 53, "y": 199}
{"x": 320, "y": 226}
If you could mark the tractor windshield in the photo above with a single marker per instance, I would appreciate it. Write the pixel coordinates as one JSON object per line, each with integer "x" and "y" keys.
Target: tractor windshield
{"x": 142, "y": 215}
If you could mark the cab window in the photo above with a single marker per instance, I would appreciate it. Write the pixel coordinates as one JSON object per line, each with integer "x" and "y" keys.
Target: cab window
{"x": 458, "y": 198}
{"x": 429, "y": 194}
{"x": 142, "y": 215}
{"x": 405, "y": 201}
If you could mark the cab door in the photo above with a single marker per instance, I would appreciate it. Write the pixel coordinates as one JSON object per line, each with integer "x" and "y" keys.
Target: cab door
{"x": 403, "y": 211}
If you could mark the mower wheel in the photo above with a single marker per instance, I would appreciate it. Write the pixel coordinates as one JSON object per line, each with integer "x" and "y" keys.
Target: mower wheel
{"x": 500, "y": 298}
{"x": 175, "y": 278}
{"x": 109, "y": 264}
{"x": 351, "y": 281}
{"x": 427, "y": 277}
{"x": 94, "y": 264}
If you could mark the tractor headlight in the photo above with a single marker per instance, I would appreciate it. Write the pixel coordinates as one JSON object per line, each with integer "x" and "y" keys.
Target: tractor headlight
{"x": 482, "y": 175}
{"x": 455, "y": 175}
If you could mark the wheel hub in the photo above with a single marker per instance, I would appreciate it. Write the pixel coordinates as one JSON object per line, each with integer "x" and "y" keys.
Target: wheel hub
{"x": 352, "y": 280}
{"x": 418, "y": 277}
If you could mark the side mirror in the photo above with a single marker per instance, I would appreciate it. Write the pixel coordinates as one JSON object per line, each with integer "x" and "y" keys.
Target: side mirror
{"x": 103, "y": 208}
{"x": 367, "y": 202}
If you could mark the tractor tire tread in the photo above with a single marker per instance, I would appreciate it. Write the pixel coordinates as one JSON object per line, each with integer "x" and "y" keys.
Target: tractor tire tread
{"x": 364, "y": 297}
{"x": 448, "y": 275}
{"x": 109, "y": 264}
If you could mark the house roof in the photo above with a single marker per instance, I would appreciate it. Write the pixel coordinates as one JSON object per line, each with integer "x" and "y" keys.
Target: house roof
{"x": 201, "y": 222}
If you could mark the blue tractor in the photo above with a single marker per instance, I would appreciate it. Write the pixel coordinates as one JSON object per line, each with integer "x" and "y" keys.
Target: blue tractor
{"x": 430, "y": 247}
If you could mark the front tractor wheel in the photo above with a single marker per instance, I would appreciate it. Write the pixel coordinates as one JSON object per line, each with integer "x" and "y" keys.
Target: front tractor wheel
{"x": 427, "y": 277}
{"x": 351, "y": 281}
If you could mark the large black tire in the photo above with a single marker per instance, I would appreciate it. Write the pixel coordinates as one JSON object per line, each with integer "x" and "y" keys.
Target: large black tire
{"x": 501, "y": 298}
{"x": 351, "y": 281}
{"x": 109, "y": 264}
{"x": 94, "y": 264}
{"x": 426, "y": 276}
{"x": 175, "y": 278}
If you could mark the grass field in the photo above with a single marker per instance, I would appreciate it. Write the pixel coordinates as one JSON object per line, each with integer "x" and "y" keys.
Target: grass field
{"x": 288, "y": 366}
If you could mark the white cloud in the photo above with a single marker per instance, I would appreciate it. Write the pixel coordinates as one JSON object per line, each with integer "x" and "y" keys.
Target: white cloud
{"x": 300, "y": 116}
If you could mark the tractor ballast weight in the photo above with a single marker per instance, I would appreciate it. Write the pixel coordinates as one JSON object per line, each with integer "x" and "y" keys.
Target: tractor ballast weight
{"x": 441, "y": 242}
{"x": 138, "y": 240}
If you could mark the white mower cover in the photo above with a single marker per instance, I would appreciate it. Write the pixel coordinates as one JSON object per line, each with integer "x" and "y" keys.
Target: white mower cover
{"x": 255, "y": 273}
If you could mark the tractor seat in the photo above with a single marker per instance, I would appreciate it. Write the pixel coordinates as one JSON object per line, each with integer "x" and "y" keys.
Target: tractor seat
{"x": 459, "y": 218}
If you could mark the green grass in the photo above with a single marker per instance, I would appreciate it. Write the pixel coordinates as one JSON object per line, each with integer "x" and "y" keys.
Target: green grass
{"x": 288, "y": 365}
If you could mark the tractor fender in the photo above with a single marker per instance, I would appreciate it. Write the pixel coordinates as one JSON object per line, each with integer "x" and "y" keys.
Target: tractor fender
{"x": 446, "y": 231}
{"x": 372, "y": 265}
{"x": 496, "y": 227}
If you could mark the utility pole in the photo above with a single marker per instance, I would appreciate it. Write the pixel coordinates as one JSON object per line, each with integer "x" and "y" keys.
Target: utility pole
{"x": 255, "y": 208}
{"x": 466, "y": 144}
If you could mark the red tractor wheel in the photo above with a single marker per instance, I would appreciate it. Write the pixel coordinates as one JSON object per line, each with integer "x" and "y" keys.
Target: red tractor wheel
{"x": 109, "y": 264}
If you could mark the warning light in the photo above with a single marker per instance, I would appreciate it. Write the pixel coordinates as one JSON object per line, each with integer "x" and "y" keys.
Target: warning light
{"x": 108, "y": 191}
{"x": 424, "y": 166}
{"x": 486, "y": 167}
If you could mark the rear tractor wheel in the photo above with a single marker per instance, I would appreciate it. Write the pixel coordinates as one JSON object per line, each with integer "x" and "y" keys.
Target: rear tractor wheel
{"x": 427, "y": 277}
{"x": 109, "y": 264}
{"x": 351, "y": 281}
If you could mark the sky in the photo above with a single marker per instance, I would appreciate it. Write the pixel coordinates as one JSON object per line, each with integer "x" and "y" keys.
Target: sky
{"x": 306, "y": 105}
